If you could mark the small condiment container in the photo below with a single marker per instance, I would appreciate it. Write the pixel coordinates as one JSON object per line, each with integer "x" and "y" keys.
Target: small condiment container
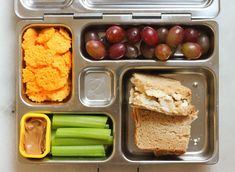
{"x": 47, "y": 136}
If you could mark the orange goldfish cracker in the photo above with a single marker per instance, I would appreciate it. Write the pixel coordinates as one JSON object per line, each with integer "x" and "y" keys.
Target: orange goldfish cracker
{"x": 29, "y": 38}
{"x": 37, "y": 97}
{"x": 68, "y": 59}
{"x": 38, "y": 56}
{"x": 59, "y": 43}
{"x": 28, "y": 75}
{"x": 49, "y": 79}
{"x": 60, "y": 94}
{"x": 45, "y": 35}
{"x": 32, "y": 87}
{"x": 64, "y": 33}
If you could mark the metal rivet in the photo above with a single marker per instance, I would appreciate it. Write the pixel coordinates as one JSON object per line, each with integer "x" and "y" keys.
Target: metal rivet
{"x": 195, "y": 84}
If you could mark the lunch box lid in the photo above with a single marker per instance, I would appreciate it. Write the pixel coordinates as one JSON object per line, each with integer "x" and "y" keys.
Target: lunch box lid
{"x": 37, "y": 9}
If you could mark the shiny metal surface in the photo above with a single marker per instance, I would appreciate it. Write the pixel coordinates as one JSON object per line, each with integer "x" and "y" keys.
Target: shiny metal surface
{"x": 203, "y": 73}
{"x": 45, "y": 3}
{"x": 37, "y": 8}
{"x": 96, "y": 87}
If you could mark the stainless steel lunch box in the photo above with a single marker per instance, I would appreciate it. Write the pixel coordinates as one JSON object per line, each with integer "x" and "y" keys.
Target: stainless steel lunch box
{"x": 112, "y": 76}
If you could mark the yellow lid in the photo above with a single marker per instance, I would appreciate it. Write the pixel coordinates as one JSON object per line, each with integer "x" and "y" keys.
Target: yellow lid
{"x": 22, "y": 132}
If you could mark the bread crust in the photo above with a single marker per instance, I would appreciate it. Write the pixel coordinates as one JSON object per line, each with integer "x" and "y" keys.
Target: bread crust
{"x": 168, "y": 85}
{"x": 162, "y": 152}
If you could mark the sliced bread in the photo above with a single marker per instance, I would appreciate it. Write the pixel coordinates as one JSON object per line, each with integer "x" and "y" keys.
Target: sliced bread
{"x": 160, "y": 94}
{"x": 164, "y": 134}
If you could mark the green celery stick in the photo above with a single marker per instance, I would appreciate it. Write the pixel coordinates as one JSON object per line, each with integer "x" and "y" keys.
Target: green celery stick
{"x": 80, "y": 141}
{"x": 85, "y": 151}
{"x": 107, "y": 126}
{"x": 83, "y": 121}
{"x": 92, "y": 133}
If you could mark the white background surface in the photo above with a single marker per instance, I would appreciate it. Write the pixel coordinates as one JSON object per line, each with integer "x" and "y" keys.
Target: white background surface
{"x": 8, "y": 162}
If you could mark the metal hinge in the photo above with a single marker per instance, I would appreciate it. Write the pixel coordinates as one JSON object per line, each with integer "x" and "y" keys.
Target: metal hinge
{"x": 88, "y": 16}
{"x": 146, "y": 15}
{"x": 178, "y": 17}
{"x": 48, "y": 16}
{"x": 165, "y": 16}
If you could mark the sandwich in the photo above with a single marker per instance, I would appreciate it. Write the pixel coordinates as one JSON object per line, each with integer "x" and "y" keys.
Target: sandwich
{"x": 160, "y": 94}
{"x": 163, "y": 113}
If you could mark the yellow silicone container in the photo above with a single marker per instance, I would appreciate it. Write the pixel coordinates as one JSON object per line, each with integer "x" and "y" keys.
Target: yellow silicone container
{"x": 47, "y": 137}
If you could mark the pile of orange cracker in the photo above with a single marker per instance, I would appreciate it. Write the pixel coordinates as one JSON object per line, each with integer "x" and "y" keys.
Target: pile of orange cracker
{"x": 47, "y": 64}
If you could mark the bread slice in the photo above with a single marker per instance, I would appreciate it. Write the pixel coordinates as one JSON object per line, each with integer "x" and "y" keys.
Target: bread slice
{"x": 164, "y": 134}
{"x": 160, "y": 94}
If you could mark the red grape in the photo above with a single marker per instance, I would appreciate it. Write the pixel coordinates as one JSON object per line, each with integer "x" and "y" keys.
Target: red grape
{"x": 117, "y": 51}
{"x": 162, "y": 34}
{"x": 191, "y": 35}
{"x": 163, "y": 52}
{"x": 96, "y": 49}
{"x": 204, "y": 42}
{"x": 175, "y": 36}
{"x": 91, "y": 35}
{"x": 132, "y": 51}
{"x": 149, "y": 36}
{"x": 133, "y": 35}
{"x": 115, "y": 34}
{"x": 191, "y": 50}
{"x": 146, "y": 51}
